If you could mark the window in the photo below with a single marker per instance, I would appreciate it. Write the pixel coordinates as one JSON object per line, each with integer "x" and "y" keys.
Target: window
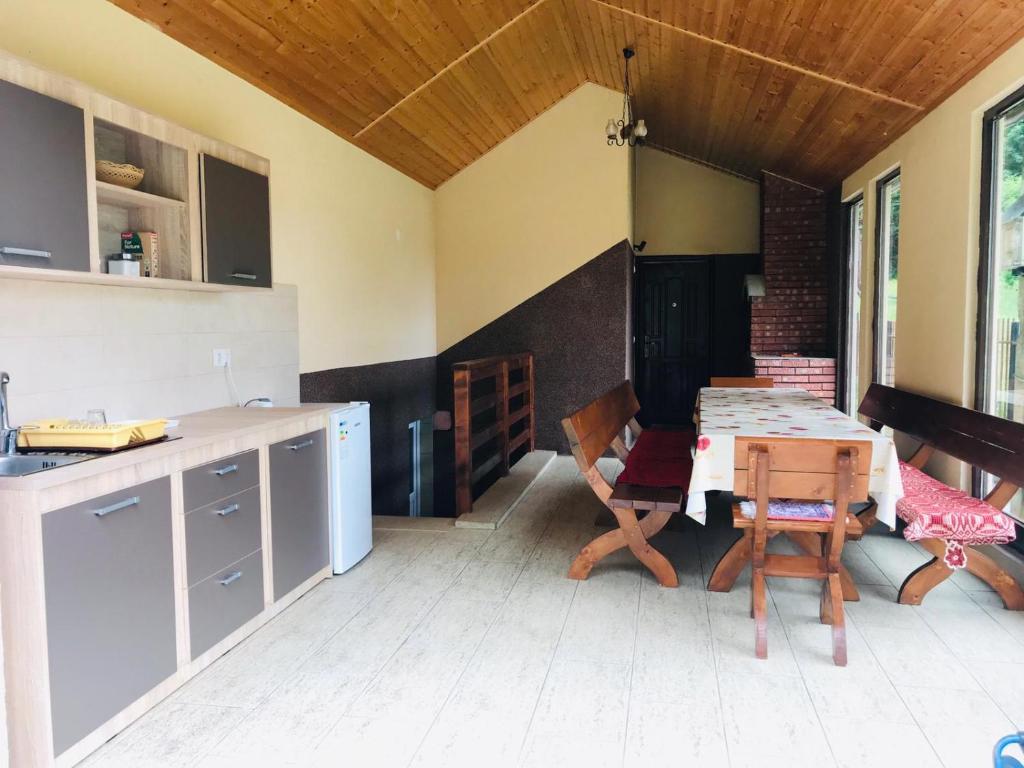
{"x": 887, "y": 264}
{"x": 854, "y": 245}
{"x": 1000, "y": 385}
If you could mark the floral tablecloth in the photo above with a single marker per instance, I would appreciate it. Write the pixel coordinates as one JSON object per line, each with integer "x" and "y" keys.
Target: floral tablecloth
{"x": 725, "y": 414}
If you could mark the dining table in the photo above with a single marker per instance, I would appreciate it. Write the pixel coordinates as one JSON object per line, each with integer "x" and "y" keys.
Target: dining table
{"x": 724, "y": 414}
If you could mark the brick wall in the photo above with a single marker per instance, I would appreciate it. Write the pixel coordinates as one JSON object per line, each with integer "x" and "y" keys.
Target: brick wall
{"x": 815, "y": 374}
{"x": 793, "y": 315}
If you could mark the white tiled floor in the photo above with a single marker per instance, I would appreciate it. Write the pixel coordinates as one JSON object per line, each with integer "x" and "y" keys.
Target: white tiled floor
{"x": 471, "y": 648}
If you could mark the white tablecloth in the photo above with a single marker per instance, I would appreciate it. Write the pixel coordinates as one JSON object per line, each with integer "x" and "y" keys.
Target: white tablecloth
{"x": 726, "y": 414}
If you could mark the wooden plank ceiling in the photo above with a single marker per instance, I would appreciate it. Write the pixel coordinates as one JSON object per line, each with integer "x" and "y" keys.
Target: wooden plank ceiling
{"x": 809, "y": 89}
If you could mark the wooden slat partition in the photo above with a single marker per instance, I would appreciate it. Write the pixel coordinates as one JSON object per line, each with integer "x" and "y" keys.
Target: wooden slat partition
{"x": 487, "y": 431}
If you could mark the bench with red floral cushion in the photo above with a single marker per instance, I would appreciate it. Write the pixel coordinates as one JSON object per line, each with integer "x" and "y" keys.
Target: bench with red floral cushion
{"x": 656, "y": 474}
{"x": 946, "y": 521}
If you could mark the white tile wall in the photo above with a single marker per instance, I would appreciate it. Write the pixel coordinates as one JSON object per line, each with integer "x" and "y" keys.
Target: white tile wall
{"x": 142, "y": 352}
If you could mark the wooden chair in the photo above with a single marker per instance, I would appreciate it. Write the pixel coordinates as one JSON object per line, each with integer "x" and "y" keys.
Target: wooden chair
{"x": 755, "y": 382}
{"x": 804, "y": 470}
{"x": 657, "y": 457}
{"x": 948, "y": 522}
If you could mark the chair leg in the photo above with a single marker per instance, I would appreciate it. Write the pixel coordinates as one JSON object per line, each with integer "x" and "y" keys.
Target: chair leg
{"x": 986, "y": 569}
{"x": 838, "y": 619}
{"x": 732, "y": 563}
{"x": 811, "y": 543}
{"x": 825, "y": 608}
{"x": 596, "y": 550}
{"x": 922, "y": 581}
{"x": 759, "y": 607}
{"x": 636, "y": 534}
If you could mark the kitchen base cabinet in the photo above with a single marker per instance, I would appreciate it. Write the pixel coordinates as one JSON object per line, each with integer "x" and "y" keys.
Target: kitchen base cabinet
{"x": 300, "y": 545}
{"x": 110, "y": 621}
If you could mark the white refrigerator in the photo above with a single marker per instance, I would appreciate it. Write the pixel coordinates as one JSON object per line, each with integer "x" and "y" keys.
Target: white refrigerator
{"x": 351, "y": 506}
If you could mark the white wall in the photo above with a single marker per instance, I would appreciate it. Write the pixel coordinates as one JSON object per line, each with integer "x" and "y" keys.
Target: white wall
{"x": 940, "y": 204}
{"x": 142, "y": 352}
{"x": 685, "y": 208}
{"x": 529, "y": 212}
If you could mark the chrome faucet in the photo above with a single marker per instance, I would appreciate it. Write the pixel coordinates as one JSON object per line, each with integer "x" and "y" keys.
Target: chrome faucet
{"x": 8, "y": 434}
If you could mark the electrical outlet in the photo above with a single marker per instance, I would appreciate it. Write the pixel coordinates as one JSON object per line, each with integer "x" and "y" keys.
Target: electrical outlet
{"x": 221, "y": 358}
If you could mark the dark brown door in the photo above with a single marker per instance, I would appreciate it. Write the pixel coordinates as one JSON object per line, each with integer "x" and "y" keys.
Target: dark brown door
{"x": 673, "y": 328}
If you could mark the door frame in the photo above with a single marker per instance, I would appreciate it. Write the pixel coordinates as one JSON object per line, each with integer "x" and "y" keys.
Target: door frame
{"x": 635, "y": 346}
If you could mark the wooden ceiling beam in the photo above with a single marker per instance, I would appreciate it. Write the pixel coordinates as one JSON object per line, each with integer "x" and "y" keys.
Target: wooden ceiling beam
{"x": 760, "y": 56}
{"x": 456, "y": 62}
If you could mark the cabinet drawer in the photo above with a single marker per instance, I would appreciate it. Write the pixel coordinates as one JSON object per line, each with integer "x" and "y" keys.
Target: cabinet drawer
{"x": 109, "y": 585}
{"x": 224, "y": 602}
{"x": 221, "y": 533}
{"x": 219, "y": 479}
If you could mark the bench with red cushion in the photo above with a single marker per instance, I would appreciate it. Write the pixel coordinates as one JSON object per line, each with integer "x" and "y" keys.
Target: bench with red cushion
{"x": 660, "y": 458}
{"x": 948, "y": 522}
{"x": 655, "y": 478}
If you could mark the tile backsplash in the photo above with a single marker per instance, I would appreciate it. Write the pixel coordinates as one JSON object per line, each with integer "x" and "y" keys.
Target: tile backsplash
{"x": 143, "y": 352}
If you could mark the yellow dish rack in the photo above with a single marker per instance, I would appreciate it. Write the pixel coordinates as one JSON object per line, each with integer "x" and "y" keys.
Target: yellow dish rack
{"x": 71, "y": 434}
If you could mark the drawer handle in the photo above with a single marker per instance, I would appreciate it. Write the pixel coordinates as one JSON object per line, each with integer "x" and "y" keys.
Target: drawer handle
{"x": 225, "y": 511}
{"x": 231, "y": 578}
{"x": 8, "y": 250}
{"x": 243, "y": 275}
{"x": 300, "y": 446}
{"x": 124, "y": 504}
{"x": 226, "y": 470}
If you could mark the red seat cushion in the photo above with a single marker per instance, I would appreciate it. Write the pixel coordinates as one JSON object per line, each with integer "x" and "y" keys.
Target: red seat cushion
{"x": 660, "y": 458}
{"x": 933, "y": 510}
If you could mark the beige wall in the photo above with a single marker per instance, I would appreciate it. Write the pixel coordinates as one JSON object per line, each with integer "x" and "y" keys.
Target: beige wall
{"x": 687, "y": 208}
{"x": 353, "y": 234}
{"x": 940, "y": 162}
{"x": 536, "y": 207}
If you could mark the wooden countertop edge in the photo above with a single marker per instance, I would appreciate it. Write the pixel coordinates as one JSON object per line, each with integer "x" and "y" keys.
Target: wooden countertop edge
{"x": 223, "y": 429}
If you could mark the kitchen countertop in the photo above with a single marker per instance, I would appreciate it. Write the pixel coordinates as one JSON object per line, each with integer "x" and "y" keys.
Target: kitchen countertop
{"x": 226, "y": 428}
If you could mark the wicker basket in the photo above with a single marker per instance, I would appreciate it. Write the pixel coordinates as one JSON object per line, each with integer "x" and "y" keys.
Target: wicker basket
{"x": 122, "y": 174}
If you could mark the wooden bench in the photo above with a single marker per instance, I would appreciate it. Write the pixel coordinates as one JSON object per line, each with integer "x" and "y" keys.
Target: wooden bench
{"x": 947, "y": 522}
{"x": 652, "y": 485}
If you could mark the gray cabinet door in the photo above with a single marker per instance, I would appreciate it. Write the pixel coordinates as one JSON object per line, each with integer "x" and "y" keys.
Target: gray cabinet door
{"x": 42, "y": 180}
{"x": 298, "y": 510}
{"x": 109, "y": 605}
{"x": 236, "y": 224}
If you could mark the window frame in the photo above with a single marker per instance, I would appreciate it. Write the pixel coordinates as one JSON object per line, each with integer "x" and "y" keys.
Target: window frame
{"x": 876, "y": 363}
{"x": 848, "y": 394}
{"x": 986, "y": 263}
{"x": 982, "y": 342}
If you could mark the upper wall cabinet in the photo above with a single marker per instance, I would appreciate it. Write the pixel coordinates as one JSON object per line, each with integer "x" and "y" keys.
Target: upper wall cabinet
{"x": 44, "y": 219}
{"x": 236, "y": 223}
{"x": 77, "y": 169}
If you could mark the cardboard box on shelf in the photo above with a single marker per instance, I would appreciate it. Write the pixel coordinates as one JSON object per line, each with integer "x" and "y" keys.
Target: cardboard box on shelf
{"x": 146, "y": 246}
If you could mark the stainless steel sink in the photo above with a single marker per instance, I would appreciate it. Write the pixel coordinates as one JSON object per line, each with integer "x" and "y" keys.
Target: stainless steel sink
{"x": 16, "y": 466}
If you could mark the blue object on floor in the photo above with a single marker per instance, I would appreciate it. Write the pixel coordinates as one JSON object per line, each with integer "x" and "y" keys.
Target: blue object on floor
{"x": 1006, "y": 761}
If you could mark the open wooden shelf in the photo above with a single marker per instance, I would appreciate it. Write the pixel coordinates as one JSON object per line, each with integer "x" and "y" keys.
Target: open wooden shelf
{"x": 102, "y": 278}
{"x": 133, "y": 198}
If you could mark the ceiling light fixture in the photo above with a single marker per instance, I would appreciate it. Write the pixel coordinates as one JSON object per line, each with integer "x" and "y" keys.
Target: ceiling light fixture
{"x": 624, "y": 131}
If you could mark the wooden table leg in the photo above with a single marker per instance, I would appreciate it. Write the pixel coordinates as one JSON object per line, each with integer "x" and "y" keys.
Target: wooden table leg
{"x": 811, "y": 544}
{"x": 732, "y": 563}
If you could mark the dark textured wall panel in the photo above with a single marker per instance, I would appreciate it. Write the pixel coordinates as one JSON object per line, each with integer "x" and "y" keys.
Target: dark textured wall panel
{"x": 399, "y": 393}
{"x": 578, "y": 331}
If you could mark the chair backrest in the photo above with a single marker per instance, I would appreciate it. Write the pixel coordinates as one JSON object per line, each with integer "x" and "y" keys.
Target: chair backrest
{"x": 987, "y": 442}
{"x": 754, "y": 382}
{"x": 800, "y": 468}
{"x": 594, "y": 426}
